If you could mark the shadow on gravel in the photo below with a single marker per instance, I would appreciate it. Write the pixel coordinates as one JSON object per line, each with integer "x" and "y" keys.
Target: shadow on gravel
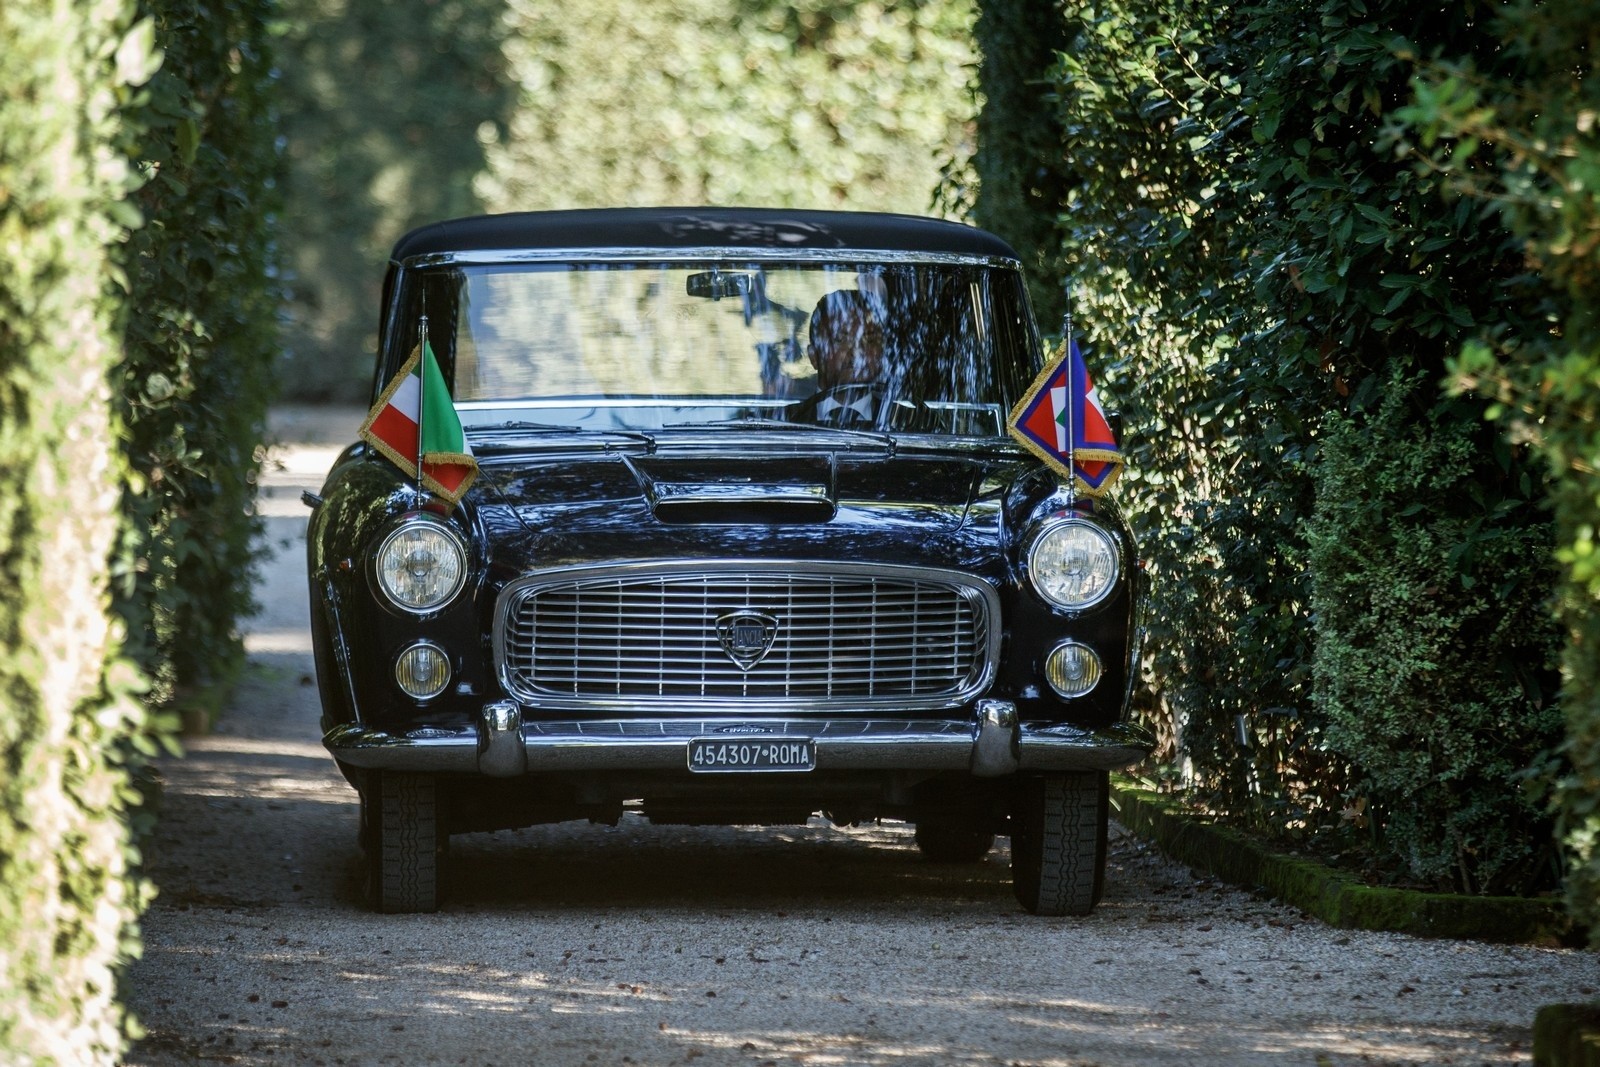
{"x": 646, "y": 867}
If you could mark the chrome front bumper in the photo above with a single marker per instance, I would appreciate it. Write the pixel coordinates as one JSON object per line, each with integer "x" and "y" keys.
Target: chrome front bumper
{"x": 502, "y": 745}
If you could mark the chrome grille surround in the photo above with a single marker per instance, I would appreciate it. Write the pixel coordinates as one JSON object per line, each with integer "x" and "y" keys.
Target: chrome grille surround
{"x": 643, "y": 636}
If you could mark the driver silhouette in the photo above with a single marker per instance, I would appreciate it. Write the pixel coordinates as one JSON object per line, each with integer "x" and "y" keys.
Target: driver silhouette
{"x": 847, "y": 349}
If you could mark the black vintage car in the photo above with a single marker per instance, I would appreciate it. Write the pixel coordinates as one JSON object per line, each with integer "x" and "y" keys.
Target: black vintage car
{"x": 747, "y": 542}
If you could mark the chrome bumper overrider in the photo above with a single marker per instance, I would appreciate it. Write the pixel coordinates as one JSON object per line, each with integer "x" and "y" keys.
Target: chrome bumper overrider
{"x": 502, "y": 744}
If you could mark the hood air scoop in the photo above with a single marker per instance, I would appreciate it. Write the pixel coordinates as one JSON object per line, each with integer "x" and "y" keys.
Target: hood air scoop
{"x": 793, "y": 491}
{"x": 722, "y": 504}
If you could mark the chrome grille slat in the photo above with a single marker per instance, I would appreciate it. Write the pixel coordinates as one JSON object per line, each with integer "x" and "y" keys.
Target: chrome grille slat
{"x": 644, "y": 636}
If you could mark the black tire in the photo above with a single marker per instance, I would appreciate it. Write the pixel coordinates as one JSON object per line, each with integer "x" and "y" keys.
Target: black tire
{"x": 406, "y": 835}
{"x": 1058, "y": 841}
{"x": 953, "y": 840}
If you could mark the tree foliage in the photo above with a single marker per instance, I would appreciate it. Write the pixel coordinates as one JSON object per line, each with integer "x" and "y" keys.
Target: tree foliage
{"x": 1516, "y": 135}
{"x": 384, "y": 111}
{"x": 813, "y": 104}
{"x": 531, "y": 105}
{"x": 66, "y": 900}
{"x": 1018, "y": 141}
{"x": 1259, "y": 272}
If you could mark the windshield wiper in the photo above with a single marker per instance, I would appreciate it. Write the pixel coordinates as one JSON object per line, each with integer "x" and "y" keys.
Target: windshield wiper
{"x": 882, "y": 436}
{"x": 548, "y": 428}
{"x": 745, "y": 420}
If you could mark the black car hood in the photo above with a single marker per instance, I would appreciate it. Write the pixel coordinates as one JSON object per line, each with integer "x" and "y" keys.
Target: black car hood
{"x": 740, "y": 500}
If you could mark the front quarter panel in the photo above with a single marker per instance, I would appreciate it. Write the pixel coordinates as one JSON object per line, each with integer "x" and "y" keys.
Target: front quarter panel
{"x": 357, "y": 635}
{"x": 1035, "y": 627}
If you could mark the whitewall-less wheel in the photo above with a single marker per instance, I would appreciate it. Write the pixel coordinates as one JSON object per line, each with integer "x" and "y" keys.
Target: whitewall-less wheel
{"x": 1058, "y": 841}
{"x": 407, "y": 838}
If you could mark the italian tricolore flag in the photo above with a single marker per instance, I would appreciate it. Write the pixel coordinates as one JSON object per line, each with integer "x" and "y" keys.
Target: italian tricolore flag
{"x": 418, "y": 395}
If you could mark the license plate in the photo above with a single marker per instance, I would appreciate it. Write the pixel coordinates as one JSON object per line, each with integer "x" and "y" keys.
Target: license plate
{"x": 717, "y": 754}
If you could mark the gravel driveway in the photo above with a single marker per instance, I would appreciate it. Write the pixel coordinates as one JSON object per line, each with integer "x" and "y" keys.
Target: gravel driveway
{"x": 581, "y": 944}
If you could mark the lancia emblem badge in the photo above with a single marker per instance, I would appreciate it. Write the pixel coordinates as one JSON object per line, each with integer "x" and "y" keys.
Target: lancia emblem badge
{"x": 746, "y": 636}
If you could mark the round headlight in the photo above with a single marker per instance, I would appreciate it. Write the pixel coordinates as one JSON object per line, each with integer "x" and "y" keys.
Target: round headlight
{"x": 1072, "y": 669}
{"x": 421, "y": 565}
{"x": 1073, "y": 564}
{"x": 422, "y": 671}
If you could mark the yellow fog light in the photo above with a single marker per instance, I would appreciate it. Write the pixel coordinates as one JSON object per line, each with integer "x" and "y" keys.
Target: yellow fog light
{"x": 1072, "y": 669}
{"x": 422, "y": 671}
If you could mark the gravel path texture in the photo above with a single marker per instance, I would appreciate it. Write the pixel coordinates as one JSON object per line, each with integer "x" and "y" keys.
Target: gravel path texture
{"x": 635, "y": 944}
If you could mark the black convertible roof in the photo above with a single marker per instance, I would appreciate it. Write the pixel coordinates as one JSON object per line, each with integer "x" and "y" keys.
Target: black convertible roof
{"x": 702, "y": 227}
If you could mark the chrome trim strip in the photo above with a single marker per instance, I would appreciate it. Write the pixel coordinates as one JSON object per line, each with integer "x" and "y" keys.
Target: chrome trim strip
{"x": 723, "y": 492}
{"x": 689, "y": 256}
{"x": 660, "y": 744}
{"x": 340, "y": 643}
{"x": 983, "y": 597}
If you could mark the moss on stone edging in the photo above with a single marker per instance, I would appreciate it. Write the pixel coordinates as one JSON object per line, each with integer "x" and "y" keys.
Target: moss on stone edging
{"x": 1330, "y": 895}
{"x": 1567, "y": 1035}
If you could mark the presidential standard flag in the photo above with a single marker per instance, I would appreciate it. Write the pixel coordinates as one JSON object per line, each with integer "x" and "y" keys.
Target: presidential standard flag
{"x": 1074, "y": 440}
{"x": 418, "y": 394}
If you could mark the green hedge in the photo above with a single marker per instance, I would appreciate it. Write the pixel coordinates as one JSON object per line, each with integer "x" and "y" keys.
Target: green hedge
{"x": 1516, "y": 136}
{"x": 67, "y": 902}
{"x": 136, "y": 328}
{"x": 1254, "y": 267}
{"x": 197, "y": 370}
{"x": 1434, "y": 638}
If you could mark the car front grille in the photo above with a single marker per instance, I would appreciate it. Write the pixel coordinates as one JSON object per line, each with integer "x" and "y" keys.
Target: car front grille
{"x": 741, "y": 634}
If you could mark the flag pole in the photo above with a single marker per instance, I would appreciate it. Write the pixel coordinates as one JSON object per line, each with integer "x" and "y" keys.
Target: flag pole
{"x": 1072, "y": 397}
{"x": 422, "y": 396}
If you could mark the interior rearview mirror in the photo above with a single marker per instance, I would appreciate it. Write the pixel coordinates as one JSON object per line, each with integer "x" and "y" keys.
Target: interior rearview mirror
{"x": 716, "y": 284}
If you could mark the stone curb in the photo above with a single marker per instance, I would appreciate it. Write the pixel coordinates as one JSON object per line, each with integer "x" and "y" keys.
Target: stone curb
{"x": 1333, "y": 896}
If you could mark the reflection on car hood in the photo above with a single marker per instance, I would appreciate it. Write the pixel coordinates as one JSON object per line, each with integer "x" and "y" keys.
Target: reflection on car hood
{"x": 705, "y": 501}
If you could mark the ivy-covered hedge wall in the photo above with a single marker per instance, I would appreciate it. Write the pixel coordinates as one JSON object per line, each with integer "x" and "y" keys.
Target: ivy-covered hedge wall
{"x": 197, "y": 371}
{"x": 1518, "y": 136}
{"x": 137, "y": 318}
{"x": 1273, "y": 297}
{"x": 66, "y": 903}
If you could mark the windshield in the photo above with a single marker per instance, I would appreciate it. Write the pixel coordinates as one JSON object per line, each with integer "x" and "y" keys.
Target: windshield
{"x": 906, "y": 347}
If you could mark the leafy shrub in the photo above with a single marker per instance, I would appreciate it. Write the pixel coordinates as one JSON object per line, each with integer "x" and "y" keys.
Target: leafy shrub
{"x": 1517, "y": 135}
{"x": 1430, "y": 569}
{"x": 67, "y": 900}
{"x": 197, "y": 369}
{"x": 1254, "y": 265}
